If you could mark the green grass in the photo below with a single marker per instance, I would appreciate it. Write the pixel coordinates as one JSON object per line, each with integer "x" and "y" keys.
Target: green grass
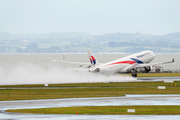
{"x": 30, "y": 94}
{"x": 84, "y": 90}
{"x": 106, "y": 110}
{"x": 158, "y": 74}
{"x": 153, "y": 74}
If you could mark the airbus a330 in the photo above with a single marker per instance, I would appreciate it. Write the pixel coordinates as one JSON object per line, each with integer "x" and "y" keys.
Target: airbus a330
{"x": 132, "y": 63}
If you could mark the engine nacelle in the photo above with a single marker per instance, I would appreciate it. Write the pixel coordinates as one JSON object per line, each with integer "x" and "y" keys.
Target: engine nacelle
{"x": 94, "y": 70}
{"x": 97, "y": 70}
{"x": 147, "y": 69}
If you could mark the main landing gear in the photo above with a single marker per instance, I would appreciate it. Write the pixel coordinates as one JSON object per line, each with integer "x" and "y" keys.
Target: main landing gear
{"x": 134, "y": 74}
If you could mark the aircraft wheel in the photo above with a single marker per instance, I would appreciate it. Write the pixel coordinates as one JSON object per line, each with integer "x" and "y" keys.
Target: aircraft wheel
{"x": 135, "y": 75}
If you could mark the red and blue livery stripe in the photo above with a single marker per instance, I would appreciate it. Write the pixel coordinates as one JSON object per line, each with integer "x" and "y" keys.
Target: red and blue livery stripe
{"x": 132, "y": 61}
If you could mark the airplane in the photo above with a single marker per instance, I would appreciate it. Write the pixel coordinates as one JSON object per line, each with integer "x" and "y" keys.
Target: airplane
{"x": 130, "y": 64}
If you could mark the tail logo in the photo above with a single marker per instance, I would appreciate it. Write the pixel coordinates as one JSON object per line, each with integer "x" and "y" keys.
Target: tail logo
{"x": 92, "y": 59}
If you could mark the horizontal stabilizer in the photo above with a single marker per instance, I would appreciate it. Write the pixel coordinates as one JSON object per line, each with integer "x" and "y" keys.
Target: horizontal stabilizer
{"x": 70, "y": 62}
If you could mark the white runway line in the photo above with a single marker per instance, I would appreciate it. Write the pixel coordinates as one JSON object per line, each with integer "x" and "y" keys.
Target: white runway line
{"x": 161, "y": 87}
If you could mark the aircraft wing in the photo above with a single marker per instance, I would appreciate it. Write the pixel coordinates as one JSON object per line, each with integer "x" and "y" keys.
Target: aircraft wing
{"x": 71, "y": 62}
{"x": 154, "y": 64}
{"x": 150, "y": 65}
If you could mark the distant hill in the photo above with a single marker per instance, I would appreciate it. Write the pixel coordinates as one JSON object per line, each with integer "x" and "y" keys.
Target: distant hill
{"x": 104, "y": 37}
{"x": 80, "y": 42}
{"x": 8, "y": 36}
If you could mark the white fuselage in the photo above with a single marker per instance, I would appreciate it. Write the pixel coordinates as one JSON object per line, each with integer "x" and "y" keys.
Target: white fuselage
{"x": 126, "y": 63}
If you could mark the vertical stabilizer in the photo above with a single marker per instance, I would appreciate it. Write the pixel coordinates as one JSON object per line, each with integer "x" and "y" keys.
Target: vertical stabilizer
{"x": 92, "y": 58}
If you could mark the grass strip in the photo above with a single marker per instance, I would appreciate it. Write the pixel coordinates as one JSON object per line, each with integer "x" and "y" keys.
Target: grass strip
{"x": 153, "y": 74}
{"x": 30, "y": 94}
{"x": 158, "y": 74}
{"x": 97, "y": 90}
{"x": 106, "y": 110}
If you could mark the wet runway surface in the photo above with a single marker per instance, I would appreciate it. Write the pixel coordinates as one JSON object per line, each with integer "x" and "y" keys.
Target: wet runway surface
{"x": 158, "y": 78}
{"x": 8, "y": 116}
{"x": 104, "y": 101}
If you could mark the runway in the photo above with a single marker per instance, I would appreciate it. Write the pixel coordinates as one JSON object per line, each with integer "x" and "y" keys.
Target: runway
{"x": 158, "y": 78}
{"x": 104, "y": 101}
{"x": 7, "y": 116}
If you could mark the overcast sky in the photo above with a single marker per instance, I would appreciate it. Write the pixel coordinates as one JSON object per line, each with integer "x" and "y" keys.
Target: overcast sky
{"x": 156, "y": 17}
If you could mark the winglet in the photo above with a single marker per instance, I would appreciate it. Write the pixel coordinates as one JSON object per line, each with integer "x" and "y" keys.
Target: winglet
{"x": 173, "y": 60}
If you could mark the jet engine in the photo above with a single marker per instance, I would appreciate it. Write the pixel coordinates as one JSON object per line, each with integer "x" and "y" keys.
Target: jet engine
{"x": 94, "y": 70}
{"x": 148, "y": 68}
{"x": 97, "y": 70}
